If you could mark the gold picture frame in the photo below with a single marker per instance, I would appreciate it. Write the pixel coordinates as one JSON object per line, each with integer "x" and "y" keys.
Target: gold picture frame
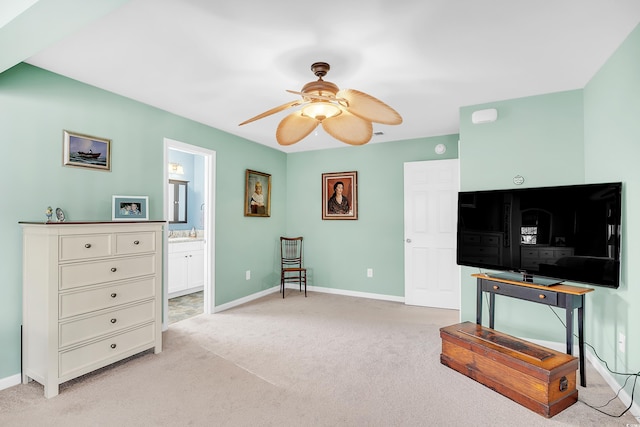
{"x": 257, "y": 194}
{"x": 340, "y": 195}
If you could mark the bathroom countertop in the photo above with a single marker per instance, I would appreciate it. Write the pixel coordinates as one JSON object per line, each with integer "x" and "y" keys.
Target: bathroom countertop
{"x": 184, "y": 239}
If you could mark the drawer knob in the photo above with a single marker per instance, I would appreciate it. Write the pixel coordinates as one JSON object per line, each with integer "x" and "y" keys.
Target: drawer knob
{"x": 88, "y": 245}
{"x": 136, "y": 242}
{"x": 113, "y": 320}
{"x": 496, "y": 287}
{"x": 113, "y": 346}
{"x": 113, "y": 269}
{"x": 541, "y": 296}
{"x": 113, "y": 295}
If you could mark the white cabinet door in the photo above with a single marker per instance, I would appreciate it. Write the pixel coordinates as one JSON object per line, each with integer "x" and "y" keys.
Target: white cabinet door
{"x": 196, "y": 269}
{"x": 186, "y": 267}
{"x": 177, "y": 271}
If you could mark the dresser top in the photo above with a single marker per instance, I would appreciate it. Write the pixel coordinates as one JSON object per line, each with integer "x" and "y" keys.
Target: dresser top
{"x": 88, "y": 222}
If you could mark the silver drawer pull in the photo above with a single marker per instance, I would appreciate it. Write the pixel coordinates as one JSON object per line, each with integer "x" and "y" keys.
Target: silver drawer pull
{"x": 113, "y": 346}
{"x": 88, "y": 245}
{"x": 113, "y": 295}
{"x": 113, "y": 269}
{"x": 136, "y": 242}
{"x": 113, "y": 320}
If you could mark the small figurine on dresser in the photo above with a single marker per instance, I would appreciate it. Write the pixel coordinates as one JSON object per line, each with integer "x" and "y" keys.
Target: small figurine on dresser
{"x": 49, "y": 213}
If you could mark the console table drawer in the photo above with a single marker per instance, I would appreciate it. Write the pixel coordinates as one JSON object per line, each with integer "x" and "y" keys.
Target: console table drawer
{"x": 92, "y": 327}
{"x": 90, "y": 273}
{"x": 529, "y": 294}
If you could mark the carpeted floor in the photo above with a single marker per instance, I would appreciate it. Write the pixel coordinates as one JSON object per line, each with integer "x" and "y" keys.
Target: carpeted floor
{"x": 325, "y": 360}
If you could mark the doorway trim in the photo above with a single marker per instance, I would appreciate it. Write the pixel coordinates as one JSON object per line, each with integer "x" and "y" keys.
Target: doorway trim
{"x": 209, "y": 224}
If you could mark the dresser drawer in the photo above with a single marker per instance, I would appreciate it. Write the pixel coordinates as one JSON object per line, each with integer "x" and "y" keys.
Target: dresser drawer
{"x": 135, "y": 243}
{"x": 90, "y": 273}
{"x": 481, "y": 251}
{"x": 80, "y": 358}
{"x": 561, "y": 253}
{"x": 530, "y": 253}
{"x": 86, "y": 301}
{"x": 79, "y": 247}
{"x": 112, "y": 321}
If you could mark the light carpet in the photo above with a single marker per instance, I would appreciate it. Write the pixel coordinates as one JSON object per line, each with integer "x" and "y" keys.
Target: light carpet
{"x": 325, "y": 360}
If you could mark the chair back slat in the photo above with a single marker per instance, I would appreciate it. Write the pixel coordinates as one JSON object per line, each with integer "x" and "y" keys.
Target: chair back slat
{"x": 291, "y": 251}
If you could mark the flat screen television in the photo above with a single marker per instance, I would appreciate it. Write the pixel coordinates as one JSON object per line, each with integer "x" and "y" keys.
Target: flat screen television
{"x": 543, "y": 235}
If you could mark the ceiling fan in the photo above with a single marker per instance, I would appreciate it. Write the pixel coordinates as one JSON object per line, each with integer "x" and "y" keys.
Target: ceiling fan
{"x": 346, "y": 114}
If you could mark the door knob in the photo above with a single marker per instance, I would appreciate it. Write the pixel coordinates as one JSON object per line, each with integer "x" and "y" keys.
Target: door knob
{"x": 408, "y": 240}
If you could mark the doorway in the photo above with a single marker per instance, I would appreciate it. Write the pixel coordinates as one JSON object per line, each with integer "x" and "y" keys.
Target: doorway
{"x": 189, "y": 235}
{"x": 432, "y": 277}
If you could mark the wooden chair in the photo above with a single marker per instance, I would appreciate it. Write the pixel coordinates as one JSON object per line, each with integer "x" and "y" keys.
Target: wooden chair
{"x": 291, "y": 266}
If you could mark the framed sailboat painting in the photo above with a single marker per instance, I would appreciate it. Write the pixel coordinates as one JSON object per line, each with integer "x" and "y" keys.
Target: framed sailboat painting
{"x": 86, "y": 151}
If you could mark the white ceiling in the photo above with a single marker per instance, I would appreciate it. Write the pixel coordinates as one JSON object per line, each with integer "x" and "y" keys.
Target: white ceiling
{"x": 220, "y": 63}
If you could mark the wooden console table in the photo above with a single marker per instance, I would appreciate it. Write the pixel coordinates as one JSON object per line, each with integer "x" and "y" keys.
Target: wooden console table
{"x": 563, "y": 296}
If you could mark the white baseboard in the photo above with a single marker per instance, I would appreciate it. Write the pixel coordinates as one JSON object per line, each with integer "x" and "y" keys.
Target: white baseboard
{"x": 243, "y": 300}
{"x": 266, "y": 292}
{"x": 10, "y": 381}
{"x": 625, "y": 398}
{"x": 356, "y": 294}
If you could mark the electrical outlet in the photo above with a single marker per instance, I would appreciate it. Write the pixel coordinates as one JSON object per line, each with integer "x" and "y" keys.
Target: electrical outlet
{"x": 247, "y": 274}
{"x": 622, "y": 341}
{"x": 369, "y": 272}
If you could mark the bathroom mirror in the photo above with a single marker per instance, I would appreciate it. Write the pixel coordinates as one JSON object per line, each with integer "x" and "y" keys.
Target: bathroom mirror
{"x": 177, "y": 208}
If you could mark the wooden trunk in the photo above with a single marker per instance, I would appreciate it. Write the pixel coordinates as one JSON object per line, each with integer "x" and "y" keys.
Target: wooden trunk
{"x": 536, "y": 377}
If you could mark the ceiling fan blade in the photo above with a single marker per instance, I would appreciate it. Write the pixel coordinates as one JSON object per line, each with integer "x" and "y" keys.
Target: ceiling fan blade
{"x": 348, "y": 128}
{"x": 369, "y": 108}
{"x": 294, "y": 127}
{"x": 273, "y": 111}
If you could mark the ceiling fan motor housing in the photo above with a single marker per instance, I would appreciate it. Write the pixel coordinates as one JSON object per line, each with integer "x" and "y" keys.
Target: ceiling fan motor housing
{"x": 321, "y": 88}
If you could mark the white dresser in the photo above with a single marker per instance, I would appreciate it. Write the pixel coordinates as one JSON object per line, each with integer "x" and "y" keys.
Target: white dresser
{"x": 92, "y": 295}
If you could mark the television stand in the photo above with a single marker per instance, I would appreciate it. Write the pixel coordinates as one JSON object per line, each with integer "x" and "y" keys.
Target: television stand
{"x": 526, "y": 278}
{"x": 563, "y": 296}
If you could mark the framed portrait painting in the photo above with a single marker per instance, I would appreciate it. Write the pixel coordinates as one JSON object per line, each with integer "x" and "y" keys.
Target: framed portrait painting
{"x": 130, "y": 208}
{"x": 340, "y": 195}
{"x": 257, "y": 194}
{"x": 86, "y": 151}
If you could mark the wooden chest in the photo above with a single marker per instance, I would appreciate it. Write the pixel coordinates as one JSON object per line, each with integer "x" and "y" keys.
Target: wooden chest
{"x": 536, "y": 377}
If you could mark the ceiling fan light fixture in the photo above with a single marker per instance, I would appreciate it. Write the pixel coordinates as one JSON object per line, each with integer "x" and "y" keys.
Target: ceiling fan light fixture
{"x": 321, "y": 110}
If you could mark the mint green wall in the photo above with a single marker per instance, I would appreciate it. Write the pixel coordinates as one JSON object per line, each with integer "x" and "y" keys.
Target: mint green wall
{"x": 612, "y": 150}
{"x": 35, "y": 107}
{"x": 589, "y": 135}
{"x": 338, "y": 252}
{"x": 541, "y": 139}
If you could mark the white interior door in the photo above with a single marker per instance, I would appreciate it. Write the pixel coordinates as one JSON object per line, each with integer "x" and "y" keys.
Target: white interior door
{"x": 432, "y": 277}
